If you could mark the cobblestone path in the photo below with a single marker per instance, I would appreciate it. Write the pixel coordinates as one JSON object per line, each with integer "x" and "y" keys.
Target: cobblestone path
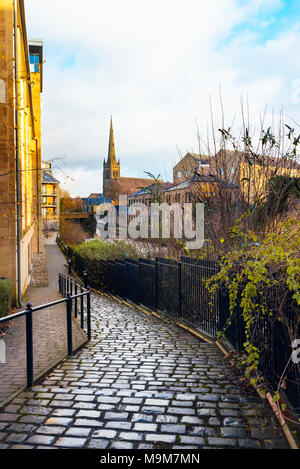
{"x": 140, "y": 383}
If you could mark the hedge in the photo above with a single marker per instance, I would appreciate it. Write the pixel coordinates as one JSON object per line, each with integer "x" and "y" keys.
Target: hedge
{"x": 97, "y": 250}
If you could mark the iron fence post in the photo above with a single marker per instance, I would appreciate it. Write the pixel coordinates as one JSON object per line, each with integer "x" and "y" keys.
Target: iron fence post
{"x": 29, "y": 345}
{"x": 223, "y": 309}
{"x": 126, "y": 283}
{"x": 85, "y": 280}
{"x": 81, "y": 309}
{"x": 156, "y": 284}
{"x": 76, "y": 307}
{"x": 139, "y": 284}
{"x": 88, "y": 309}
{"x": 69, "y": 266}
{"x": 69, "y": 324}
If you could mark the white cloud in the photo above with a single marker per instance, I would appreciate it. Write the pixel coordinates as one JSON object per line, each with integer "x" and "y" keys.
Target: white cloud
{"x": 152, "y": 65}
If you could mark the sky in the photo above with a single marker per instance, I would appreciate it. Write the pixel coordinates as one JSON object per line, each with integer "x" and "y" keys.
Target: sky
{"x": 155, "y": 66}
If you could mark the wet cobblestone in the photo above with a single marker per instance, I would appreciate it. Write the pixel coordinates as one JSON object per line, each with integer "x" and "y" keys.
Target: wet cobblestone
{"x": 140, "y": 383}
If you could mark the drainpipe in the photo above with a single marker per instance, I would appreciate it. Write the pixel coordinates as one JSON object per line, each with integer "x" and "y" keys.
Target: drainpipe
{"x": 38, "y": 191}
{"x": 17, "y": 157}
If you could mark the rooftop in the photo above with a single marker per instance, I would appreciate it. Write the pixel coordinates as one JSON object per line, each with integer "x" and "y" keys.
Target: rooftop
{"x": 147, "y": 190}
{"x": 36, "y": 42}
{"x": 95, "y": 195}
{"x": 48, "y": 178}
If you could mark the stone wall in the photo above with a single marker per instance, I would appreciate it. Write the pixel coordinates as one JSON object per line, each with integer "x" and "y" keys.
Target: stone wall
{"x": 39, "y": 275}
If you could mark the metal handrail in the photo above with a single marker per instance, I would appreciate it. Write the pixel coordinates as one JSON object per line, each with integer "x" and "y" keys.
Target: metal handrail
{"x": 66, "y": 285}
{"x": 36, "y": 308}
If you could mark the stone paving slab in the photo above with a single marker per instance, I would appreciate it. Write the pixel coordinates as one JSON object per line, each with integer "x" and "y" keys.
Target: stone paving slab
{"x": 140, "y": 383}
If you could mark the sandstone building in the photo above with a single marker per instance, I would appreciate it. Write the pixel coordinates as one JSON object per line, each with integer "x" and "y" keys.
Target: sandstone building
{"x": 113, "y": 184}
{"x": 20, "y": 142}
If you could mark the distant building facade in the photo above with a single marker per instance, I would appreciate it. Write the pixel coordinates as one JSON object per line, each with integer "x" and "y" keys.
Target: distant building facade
{"x": 249, "y": 174}
{"x": 154, "y": 193}
{"x": 192, "y": 190}
{"x": 50, "y": 199}
{"x": 90, "y": 204}
{"x": 188, "y": 165}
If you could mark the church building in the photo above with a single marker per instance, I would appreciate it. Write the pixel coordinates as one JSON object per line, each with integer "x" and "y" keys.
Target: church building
{"x": 111, "y": 167}
{"x": 113, "y": 184}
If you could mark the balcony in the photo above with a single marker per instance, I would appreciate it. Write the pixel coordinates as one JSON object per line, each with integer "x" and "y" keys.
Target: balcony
{"x": 49, "y": 204}
{"x": 53, "y": 194}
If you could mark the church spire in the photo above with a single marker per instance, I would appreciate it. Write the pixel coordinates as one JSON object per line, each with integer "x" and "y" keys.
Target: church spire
{"x": 111, "y": 148}
{"x": 111, "y": 168}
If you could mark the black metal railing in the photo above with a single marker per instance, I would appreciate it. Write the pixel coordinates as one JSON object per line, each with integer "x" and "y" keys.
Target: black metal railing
{"x": 72, "y": 292}
{"x": 75, "y": 293}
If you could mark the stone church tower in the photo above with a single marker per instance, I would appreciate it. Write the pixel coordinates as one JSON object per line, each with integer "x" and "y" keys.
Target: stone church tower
{"x": 111, "y": 168}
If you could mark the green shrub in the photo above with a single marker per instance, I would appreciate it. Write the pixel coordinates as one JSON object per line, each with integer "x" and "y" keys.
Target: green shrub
{"x": 262, "y": 277}
{"x": 5, "y": 297}
{"x": 102, "y": 250}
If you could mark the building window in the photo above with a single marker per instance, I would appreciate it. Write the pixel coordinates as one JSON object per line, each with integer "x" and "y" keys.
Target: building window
{"x": 187, "y": 173}
{"x": 188, "y": 197}
{"x": 179, "y": 174}
{"x": 34, "y": 62}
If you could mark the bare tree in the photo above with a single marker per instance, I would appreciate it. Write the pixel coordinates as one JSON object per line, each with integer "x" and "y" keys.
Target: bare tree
{"x": 252, "y": 178}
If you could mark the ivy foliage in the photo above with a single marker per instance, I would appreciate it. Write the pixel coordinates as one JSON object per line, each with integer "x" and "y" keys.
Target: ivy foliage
{"x": 256, "y": 270}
